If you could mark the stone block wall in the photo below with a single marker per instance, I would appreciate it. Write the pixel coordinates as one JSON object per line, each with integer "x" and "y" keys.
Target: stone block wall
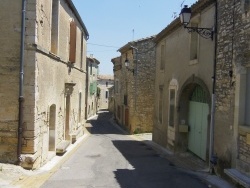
{"x": 243, "y": 162}
{"x": 138, "y": 86}
{"x": 232, "y": 59}
{"x": 45, "y": 78}
{"x": 142, "y": 117}
{"x": 10, "y": 14}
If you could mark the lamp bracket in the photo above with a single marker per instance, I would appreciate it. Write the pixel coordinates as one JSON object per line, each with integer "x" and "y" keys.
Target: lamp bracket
{"x": 207, "y": 33}
{"x": 131, "y": 70}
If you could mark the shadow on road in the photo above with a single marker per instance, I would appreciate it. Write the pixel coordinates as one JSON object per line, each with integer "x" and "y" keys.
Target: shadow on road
{"x": 101, "y": 124}
{"x": 148, "y": 169}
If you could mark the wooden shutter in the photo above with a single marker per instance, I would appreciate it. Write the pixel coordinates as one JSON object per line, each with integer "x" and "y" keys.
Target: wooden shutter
{"x": 72, "y": 44}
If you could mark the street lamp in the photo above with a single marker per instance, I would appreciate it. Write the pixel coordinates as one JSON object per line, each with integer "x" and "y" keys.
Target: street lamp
{"x": 185, "y": 17}
{"x": 127, "y": 66}
{"x": 127, "y": 63}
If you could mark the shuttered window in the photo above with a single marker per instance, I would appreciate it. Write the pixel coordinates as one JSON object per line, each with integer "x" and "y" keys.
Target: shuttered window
{"x": 72, "y": 42}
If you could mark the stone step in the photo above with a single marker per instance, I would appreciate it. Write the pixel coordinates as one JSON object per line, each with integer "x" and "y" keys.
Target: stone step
{"x": 61, "y": 148}
{"x": 239, "y": 177}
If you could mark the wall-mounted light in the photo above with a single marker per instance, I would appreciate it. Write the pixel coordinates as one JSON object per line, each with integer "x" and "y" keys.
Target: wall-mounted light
{"x": 127, "y": 66}
{"x": 185, "y": 17}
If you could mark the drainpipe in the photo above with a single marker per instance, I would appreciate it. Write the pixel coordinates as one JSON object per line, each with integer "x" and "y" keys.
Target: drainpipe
{"x": 21, "y": 98}
{"x": 212, "y": 157}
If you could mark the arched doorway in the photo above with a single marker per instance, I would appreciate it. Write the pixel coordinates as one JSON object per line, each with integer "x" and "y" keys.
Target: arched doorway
{"x": 198, "y": 112}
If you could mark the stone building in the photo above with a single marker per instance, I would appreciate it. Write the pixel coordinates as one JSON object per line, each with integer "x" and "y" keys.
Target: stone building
{"x": 111, "y": 100}
{"x": 104, "y": 82}
{"x": 232, "y": 120}
{"x": 118, "y": 84}
{"x": 51, "y": 87}
{"x": 183, "y": 85}
{"x": 134, "y": 85}
{"x": 92, "y": 95}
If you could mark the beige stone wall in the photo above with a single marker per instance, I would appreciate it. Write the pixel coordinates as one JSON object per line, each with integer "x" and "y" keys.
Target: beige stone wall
{"x": 45, "y": 76}
{"x": 182, "y": 74}
{"x": 92, "y": 78}
{"x": 10, "y": 14}
{"x": 137, "y": 86}
{"x": 103, "y": 101}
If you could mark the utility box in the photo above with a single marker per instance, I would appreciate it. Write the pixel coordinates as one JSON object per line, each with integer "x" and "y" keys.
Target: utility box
{"x": 183, "y": 128}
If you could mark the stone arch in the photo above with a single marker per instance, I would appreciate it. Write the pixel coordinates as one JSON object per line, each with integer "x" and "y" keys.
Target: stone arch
{"x": 185, "y": 94}
{"x": 189, "y": 86}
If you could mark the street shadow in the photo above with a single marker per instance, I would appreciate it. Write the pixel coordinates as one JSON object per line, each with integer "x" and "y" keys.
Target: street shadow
{"x": 103, "y": 123}
{"x": 147, "y": 169}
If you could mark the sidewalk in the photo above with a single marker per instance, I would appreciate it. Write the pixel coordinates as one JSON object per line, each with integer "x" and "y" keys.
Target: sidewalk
{"x": 185, "y": 161}
{"x": 12, "y": 176}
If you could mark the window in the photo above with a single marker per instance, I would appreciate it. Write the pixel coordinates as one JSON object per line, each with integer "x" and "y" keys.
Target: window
{"x": 80, "y": 107}
{"x": 247, "y": 103}
{"x": 91, "y": 69}
{"x": 72, "y": 42}
{"x": 160, "y": 103}
{"x": 171, "y": 107}
{"x": 119, "y": 111}
{"x": 54, "y": 27}
{"x": 245, "y": 5}
{"x": 91, "y": 89}
{"x": 162, "y": 57}
{"x": 116, "y": 86}
{"x": 125, "y": 100}
{"x": 194, "y": 44}
{"x": 107, "y": 94}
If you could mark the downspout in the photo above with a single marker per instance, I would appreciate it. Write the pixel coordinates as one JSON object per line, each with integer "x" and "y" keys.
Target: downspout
{"x": 212, "y": 157}
{"x": 87, "y": 89}
{"x": 21, "y": 98}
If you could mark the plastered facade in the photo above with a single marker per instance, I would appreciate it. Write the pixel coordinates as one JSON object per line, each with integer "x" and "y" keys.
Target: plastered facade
{"x": 179, "y": 75}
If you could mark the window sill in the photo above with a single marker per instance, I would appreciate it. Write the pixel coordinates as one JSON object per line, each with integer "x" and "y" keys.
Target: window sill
{"x": 244, "y": 129}
{"x": 193, "y": 62}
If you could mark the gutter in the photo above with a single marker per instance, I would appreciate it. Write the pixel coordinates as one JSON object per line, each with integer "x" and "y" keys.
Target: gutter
{"x": 21, "y": 98}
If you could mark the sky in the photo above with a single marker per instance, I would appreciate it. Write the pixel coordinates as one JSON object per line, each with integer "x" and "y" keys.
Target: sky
{"x": 113, "y": 23}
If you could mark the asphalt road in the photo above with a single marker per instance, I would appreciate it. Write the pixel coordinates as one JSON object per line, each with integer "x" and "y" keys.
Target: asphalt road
{"x": 111, "y": 159}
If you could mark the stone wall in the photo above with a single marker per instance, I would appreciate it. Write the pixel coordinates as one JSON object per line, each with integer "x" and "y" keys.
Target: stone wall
{"x": 243, "y": 162}
{"x": 46, "y": 80}
{"x": 138, "y": 85}
{"x": 232, "y": 59}
{"x": 10, "y": 14}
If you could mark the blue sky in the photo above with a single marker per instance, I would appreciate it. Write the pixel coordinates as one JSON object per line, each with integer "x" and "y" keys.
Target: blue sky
{"x": 113, "y": 23}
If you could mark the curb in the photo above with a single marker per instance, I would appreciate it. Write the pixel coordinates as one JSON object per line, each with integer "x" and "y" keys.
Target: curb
{"x": 46, "y": 171}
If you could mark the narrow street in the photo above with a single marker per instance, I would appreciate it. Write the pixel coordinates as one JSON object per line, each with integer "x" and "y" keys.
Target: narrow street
{"x": 111, "y": 159}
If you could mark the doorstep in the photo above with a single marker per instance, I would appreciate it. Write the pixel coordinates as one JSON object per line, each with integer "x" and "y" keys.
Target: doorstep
{"x": 239, "y": 177}
{"x": 61, "y": 148}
